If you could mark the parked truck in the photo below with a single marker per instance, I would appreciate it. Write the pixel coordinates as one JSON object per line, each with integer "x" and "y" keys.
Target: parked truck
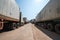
{"x": 9, "y": 14}
{"x": 49, "y": 17}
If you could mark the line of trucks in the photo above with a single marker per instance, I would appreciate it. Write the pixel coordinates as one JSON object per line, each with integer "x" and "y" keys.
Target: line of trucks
{"x": 49, "y": 17}
{"x": 10, "y": 15}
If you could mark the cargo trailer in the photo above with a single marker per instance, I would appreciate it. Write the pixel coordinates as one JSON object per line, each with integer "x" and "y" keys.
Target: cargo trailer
{"x": 9, "y": 14}
{"x": 49, "y": 17}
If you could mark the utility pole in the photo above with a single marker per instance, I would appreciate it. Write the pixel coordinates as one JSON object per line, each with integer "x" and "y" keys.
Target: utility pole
{"x": 20, "y": 18}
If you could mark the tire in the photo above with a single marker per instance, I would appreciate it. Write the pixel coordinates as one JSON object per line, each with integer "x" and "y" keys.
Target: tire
{"x": 45, "y": 26}
{"x": 57, "y": 28}
{"x": 17, "y": 25}
{"x": 50, "y": 27}
{"x": 13, "y": 26}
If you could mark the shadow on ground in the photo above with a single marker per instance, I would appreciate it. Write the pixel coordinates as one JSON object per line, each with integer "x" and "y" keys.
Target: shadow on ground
{"x": 5, "y": 30}
{"x": 52, "y": 35}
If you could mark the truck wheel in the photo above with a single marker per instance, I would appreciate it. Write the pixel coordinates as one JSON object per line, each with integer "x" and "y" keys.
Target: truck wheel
{"x": 17, "y": 24}
{"x": 57, "y": 28}
{"x": 14, "y": 26}
{"x": 50, "y": 27}
{"x": 44, "y": 26}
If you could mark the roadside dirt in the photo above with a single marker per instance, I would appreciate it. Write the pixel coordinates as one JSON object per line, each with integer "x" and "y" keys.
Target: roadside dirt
{"x": 29, "y": 32}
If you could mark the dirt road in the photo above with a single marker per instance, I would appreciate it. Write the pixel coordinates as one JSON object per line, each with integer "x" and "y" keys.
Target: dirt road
{"x": 29, "y": 32}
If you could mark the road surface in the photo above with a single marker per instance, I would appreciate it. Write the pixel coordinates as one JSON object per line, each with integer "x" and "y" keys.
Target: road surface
{"x": 29, "y": 32}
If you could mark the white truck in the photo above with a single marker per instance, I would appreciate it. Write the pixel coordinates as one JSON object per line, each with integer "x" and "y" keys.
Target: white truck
{"x": 49, "y": 17}
{"x": 9, "y": 14}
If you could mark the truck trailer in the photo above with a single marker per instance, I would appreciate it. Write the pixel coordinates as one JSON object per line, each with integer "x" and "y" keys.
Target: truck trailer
{"x": 9, "y": 14}
{"x": 49, "y": 16}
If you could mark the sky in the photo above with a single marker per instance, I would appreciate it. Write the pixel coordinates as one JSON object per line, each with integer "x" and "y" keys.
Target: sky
{"x": 30, "y": 8}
